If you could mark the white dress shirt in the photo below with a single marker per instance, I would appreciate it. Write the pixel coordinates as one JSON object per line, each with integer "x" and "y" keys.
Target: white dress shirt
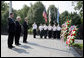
{"x": 40, "y": 28}
{"x": 45, "y": 27}
{"x": 58, "y": 28}
{"x": 54, "y": 28}
{"x": 49, "y": 27}
{"x": 34, "y": 26}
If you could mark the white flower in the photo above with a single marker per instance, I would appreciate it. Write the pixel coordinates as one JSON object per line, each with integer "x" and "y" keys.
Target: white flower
{"x": 72, "y": 37}
{"x": 73, "y": 32}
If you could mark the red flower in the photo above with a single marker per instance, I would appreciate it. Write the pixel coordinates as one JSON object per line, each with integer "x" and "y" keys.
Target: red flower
{"x": 66, "y": 28}
{"x": 66, "y": 42}
{"x": 73, "y": 40}
{"x": 74, "y": 34}
{"x": 74, "y": 30}
{"x": 68, "y": 21}
{"x": 69, "y": 33}
{"x": 67, "y": 24}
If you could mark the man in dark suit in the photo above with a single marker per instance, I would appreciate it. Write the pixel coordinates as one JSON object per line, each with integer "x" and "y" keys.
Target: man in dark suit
{"x": 17, "y": 31}
{"x": 25, "y": 27}
{"x": 11, "y": 30}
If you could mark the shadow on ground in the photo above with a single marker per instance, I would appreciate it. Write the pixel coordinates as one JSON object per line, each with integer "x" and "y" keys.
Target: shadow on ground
{"x": 68, "y": 51}
{"x": 46, "y": 47}
{"x": 18, "y": 50}
{"x": 26, "y": 47}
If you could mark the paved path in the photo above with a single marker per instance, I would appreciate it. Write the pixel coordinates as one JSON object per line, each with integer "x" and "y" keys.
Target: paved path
{"x": 37, "y": 48}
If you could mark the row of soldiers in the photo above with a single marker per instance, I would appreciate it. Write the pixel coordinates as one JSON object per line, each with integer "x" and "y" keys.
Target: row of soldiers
{"x": 14, "y": 30}
{"x": 50, "y": 31}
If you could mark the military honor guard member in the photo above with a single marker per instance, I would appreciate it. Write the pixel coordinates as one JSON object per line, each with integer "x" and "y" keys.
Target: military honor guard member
{"x": 54, "y": 31}
{"x": 41, "y": 30}
{"x": 17, "y": 30}
{"x": 34, "y": 29}
{"x": 58, "y": 31}
{"x": 49, "y": 31}
{"x": 25, "y": 28}
{"x": 45, "y": 30}
{"x": 11, "y": 30}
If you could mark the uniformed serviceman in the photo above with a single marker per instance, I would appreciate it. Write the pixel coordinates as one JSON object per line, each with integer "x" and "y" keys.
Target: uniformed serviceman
{"x": 54, "y": 31}
{"x": 41, "y": 28}
{"x": 58, "y": 31}
{"x": 34, "y": 29}
{"x": 25, "y": 27}
{"x": 49, "y": 31}
{"x": 11, "y": 30}
{"x": 17, "y": 30}
{"x": 45, "y": 30}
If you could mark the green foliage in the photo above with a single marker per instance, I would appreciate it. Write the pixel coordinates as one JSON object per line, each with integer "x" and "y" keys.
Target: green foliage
{"x": 35, "y": 13}
{"x": 53, "y": 11}
{"x": 76, "y": 19}
{"x": 30, "y": 31}
{"x": 4, "y": 16}
{"x": 64, "y": 16}
{"x": 79, "y": 7}
{"x": 23, "y": 12}
{"x": 80, "y": 46}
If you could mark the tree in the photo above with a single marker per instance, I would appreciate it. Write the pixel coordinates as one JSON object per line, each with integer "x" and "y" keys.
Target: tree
{"x": 4, "y": 16}
{"x": 64, "y": 17}
{"x": 4, "y": 6}
{"x": 79, "y": 7}
{"x": 75, "y": 19}
{"x": 23, "y": 12}
{"x": 35, "y": 13}
{"x": 53, "y": 11}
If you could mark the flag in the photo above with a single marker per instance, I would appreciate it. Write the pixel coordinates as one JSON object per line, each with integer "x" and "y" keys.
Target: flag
{"x": 58, "y": 16}
{"x": 45, "y": 15}
{"x": 49, "y": 16}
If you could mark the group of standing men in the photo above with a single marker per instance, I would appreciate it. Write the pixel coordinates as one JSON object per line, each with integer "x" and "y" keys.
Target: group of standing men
{"x": 14, "y": 30}
{"x": 50, "y": 31}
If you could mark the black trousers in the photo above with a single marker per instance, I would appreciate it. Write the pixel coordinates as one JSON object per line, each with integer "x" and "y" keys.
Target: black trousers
{"x": 10, "y": 38}
{"x": 34, "y": 33}
{"x": 17, "y": 38}
{"x": 45, "y": 33}
{"x": 41, "y": 33}
{"x": 54, "y": 34}
{"x": 25, "y": 36}
{"x": 58, "y": 34}
{"x": 49, "y": 33}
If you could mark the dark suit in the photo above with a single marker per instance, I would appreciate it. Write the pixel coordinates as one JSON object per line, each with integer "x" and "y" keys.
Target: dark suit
{"x": 17, "y": 32}
{"x": 25, "y": 27}
{"x": 11, "y": 31}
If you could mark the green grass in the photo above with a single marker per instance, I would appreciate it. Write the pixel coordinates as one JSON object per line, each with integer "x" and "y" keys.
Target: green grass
{"x": 80, "y": 46}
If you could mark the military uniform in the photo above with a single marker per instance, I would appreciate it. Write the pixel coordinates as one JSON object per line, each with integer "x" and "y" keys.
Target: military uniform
{"x": 49, "y": 31}
{"x": 45, "y": 31}
{"x": 58, "y": 32}
{"x": 54, "y": 32}
{"x": 41, "y": 31}
{"x": 34, "y": 30}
